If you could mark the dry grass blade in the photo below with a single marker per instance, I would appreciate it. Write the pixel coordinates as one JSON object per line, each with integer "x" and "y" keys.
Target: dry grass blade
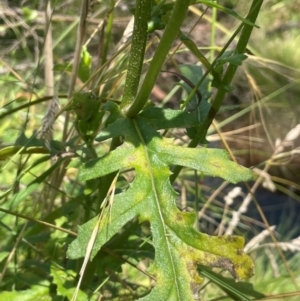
{"x": 229, "y": 199}
{"x": 263, "y": 177}
{"x": 273, "y": 263}
{"x": 80, "y": 36}
{"x": 12, "y": 252}
{"x": 47, "y": 123}
{"x": 108, "y": 201}
{"x": 255, "y": 241}
{"x": 79, "y": 42}
{"x": 292, "y": 245}
{"x": 268, "y": 183}
{"x": 49, "y": 78}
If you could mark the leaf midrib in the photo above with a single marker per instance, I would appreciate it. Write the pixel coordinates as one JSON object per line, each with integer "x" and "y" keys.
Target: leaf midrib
{"x": 147, "y": 157}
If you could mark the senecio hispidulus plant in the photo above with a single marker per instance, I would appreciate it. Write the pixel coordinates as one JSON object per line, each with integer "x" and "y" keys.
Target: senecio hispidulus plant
{"x": 109, "y": 103}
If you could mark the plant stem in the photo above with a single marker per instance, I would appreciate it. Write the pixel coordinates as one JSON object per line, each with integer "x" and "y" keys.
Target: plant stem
{"x": 171, "y": 31}
{"x": 136, "y": 56}
{"x": 240, "y": 48}
{"x": 213, "y": 35}
{"x": 108, "y": 31}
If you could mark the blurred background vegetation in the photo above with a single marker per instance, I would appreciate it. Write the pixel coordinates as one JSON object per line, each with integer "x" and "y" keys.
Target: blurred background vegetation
{"x": 253, "y": 125}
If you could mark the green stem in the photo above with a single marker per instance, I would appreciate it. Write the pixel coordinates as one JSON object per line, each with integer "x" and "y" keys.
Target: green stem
{"x": 136, "y": 56}
{"x": 210, "y": 68}
{"x": 240, "y": 48}
{"x": 26, "y": 105}
{"x": 108, "y": 31}
{"x": 171, "y": 32}
{"x": 213, "y": 34}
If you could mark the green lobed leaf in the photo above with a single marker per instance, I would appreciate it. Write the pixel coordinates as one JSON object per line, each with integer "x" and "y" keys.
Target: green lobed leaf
{"x": 62, "y": 278}
{"x": 179, "y": 248}
{"x": 231, "y": 57}
{"x": 36, "y": 292}
{"x": 158, "y": 118}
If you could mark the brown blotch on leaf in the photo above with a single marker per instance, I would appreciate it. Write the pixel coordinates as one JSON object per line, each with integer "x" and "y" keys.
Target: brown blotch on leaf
{"x": 240, "y": 251}
{"x": 231, "y": 238}
{"x": 226, "y": 265}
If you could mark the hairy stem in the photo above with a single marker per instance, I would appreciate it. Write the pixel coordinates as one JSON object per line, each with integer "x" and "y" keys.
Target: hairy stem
{"x": 171, "y": 31}
{"x": 136, "y": 56}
